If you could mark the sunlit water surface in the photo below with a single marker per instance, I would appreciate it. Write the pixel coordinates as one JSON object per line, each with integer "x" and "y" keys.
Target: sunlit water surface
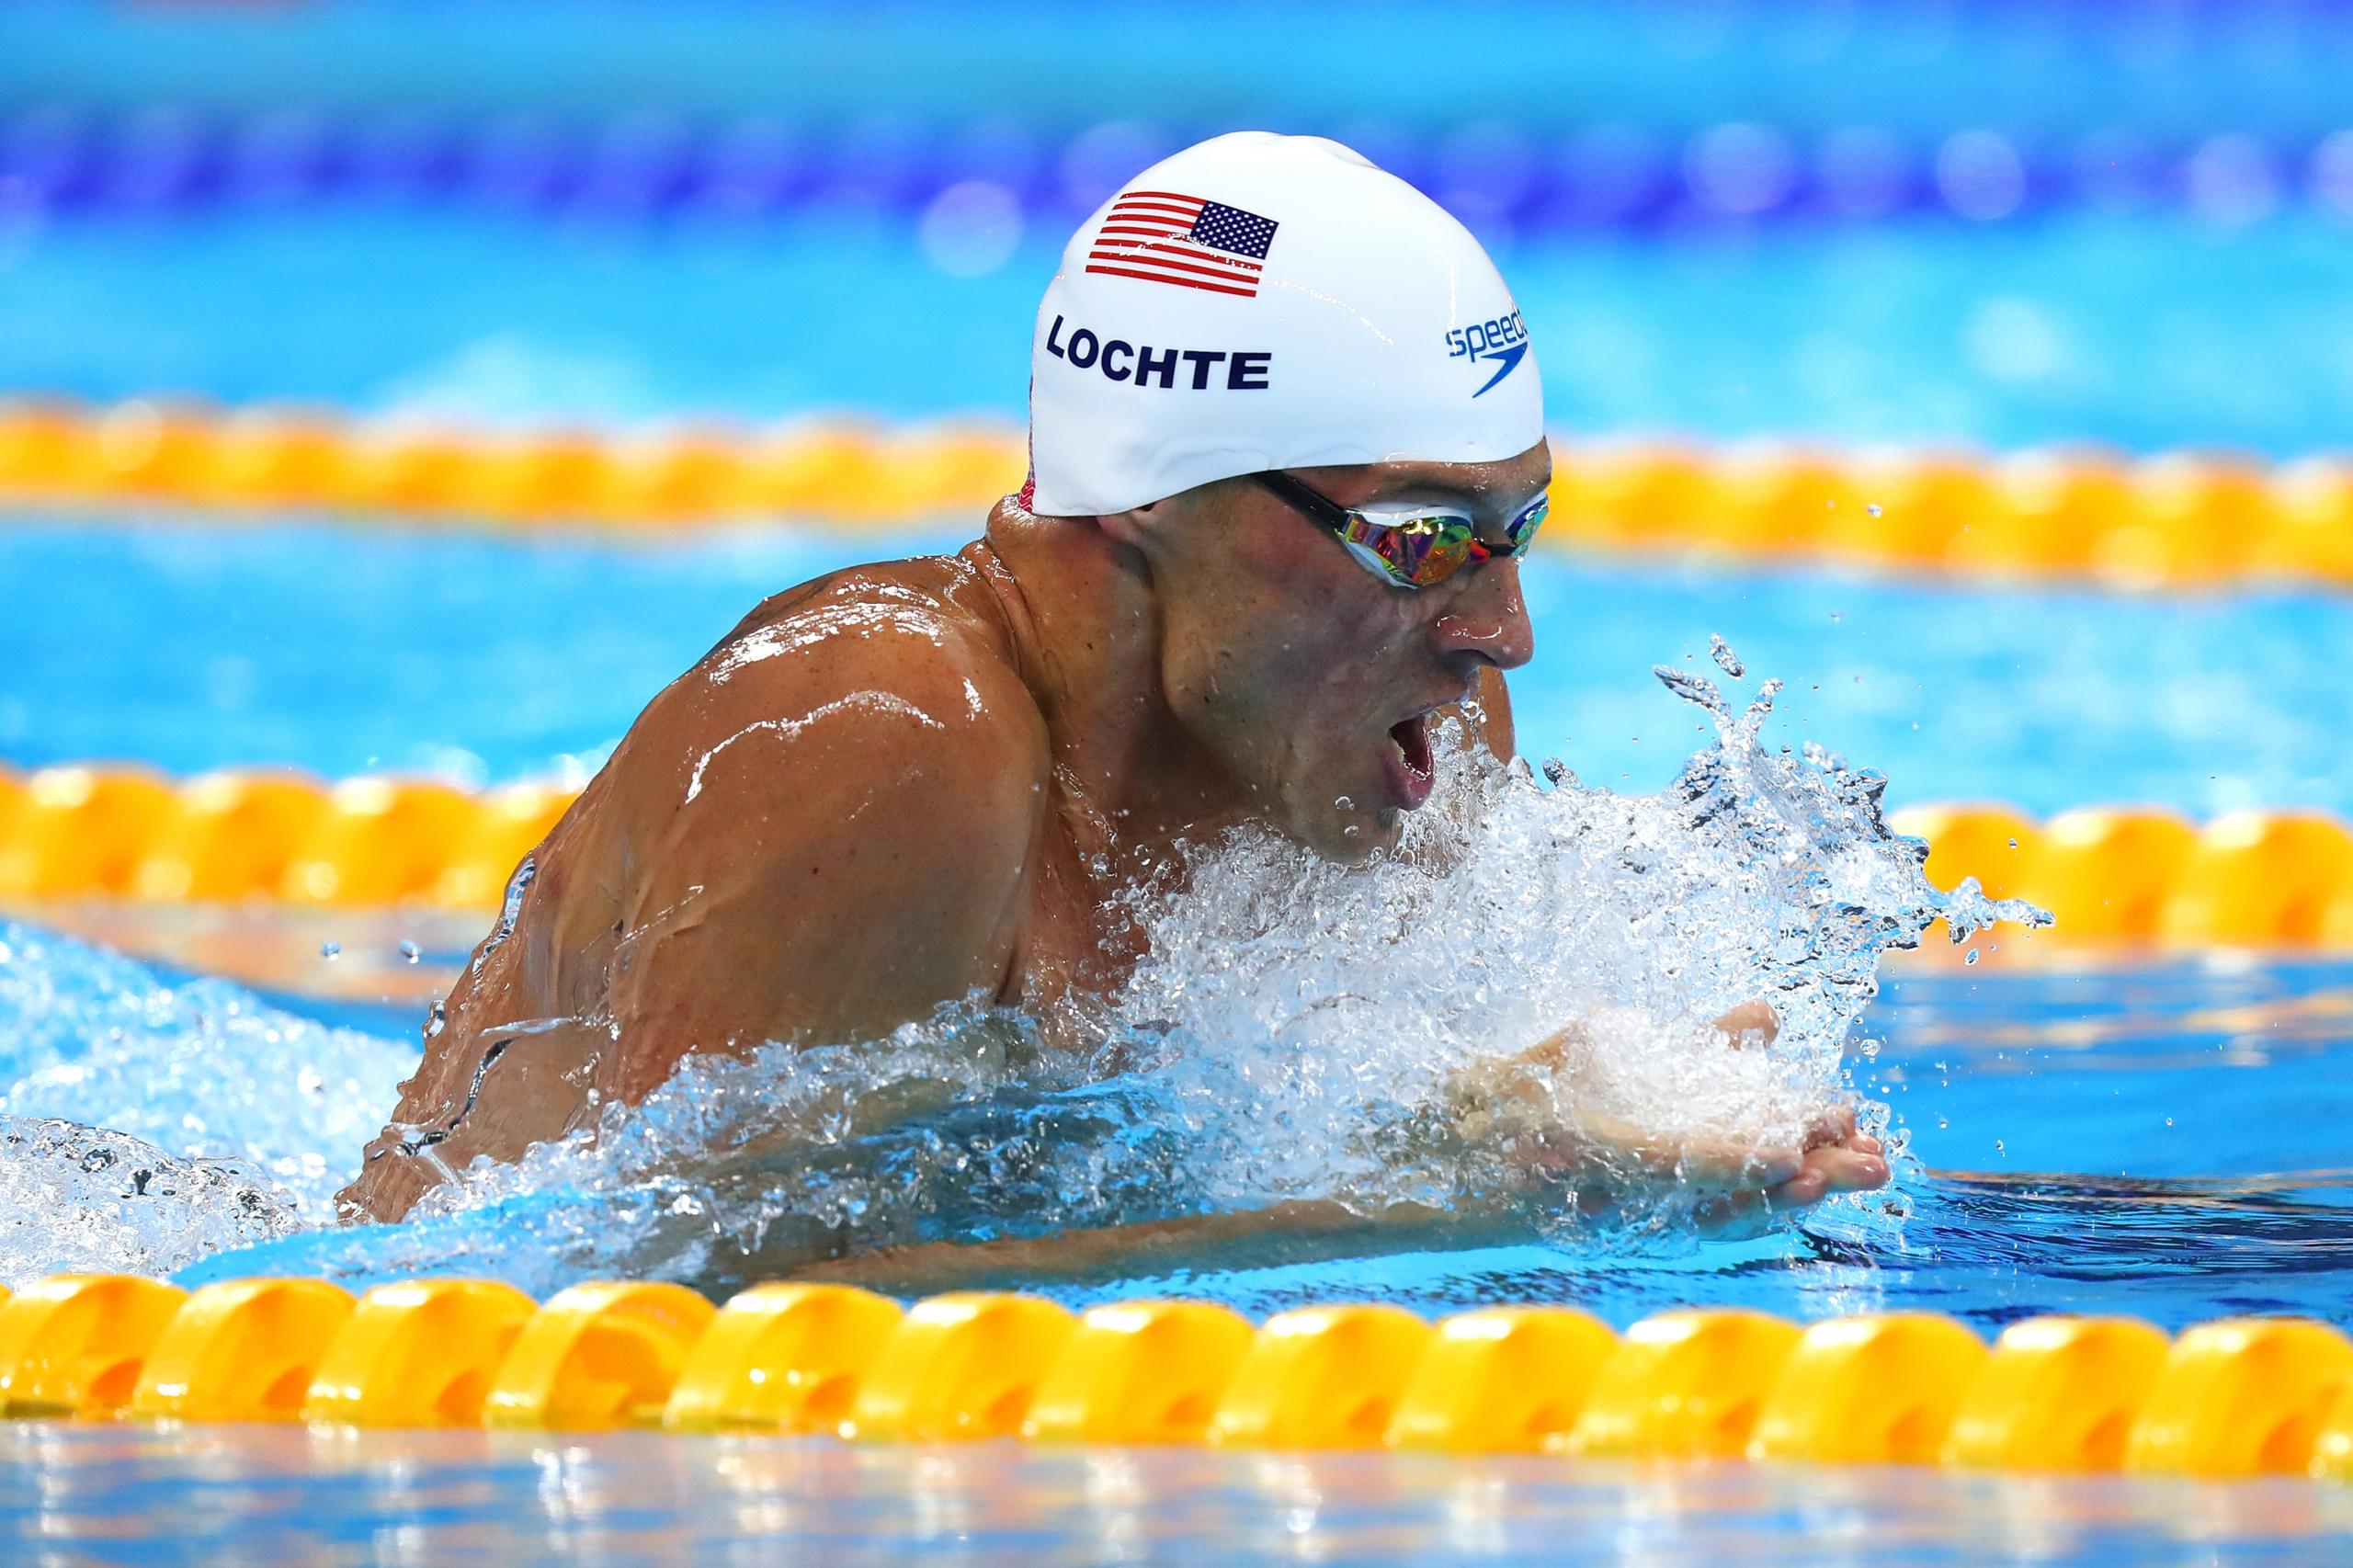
{"x": 261, "y": 1495}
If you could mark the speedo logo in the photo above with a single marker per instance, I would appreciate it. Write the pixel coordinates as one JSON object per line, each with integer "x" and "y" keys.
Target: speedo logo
{"x": 1196, "y": 370}
{"x": 1502, "y": 342}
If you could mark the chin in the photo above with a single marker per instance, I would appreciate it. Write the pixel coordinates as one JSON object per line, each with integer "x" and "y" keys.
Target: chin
{"x": 1353, "y": 835}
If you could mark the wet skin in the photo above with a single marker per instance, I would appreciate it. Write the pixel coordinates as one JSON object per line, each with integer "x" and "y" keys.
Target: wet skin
{"x": 919, "y": 781}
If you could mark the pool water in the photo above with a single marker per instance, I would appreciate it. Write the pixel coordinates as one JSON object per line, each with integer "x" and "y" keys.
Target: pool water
{"x": 2153, "y": 1134}
{"x": 192, "y": 645}
{"x": 2145, "y": 332}
{"x": 2157, "y": 1136}
{"x": 2157, "y": 1139}
{"x": 265, "y": 1495}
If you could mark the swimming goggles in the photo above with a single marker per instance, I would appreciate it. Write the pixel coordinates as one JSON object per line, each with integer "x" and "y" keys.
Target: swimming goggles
{"x": 1414, "y": 547}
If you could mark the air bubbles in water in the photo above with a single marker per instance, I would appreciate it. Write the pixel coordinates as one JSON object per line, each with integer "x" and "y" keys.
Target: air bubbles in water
{"x": 190, "y": 1079}
{"x": 76, "y": 1198}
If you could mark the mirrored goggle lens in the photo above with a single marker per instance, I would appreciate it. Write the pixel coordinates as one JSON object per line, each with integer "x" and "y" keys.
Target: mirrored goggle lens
{"x": 1416, "y": 551}
{"x": 1521, "y": 530}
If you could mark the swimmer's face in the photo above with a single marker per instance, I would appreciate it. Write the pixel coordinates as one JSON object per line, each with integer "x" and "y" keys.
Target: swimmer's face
{"x": 1309, "y": 677}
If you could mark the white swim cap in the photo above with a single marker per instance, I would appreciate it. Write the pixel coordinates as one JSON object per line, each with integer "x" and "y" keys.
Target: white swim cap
{"x": 1260, "y": 302}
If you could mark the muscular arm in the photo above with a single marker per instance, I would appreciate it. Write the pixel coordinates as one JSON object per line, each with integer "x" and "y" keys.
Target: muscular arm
{"x": 842, "y": 839}
{"x": 825, "y": 829}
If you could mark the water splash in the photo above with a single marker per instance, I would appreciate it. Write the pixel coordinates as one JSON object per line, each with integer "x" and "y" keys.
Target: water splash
{"x": 1300, "y": 1030}
{"x": 81, "y": 1199}
{"x": 209, "y": 1091}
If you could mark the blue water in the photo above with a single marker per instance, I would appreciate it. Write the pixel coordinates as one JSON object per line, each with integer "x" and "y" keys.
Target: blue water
{"x": 2165, "y": 69}
{"x": 2144, "y": 333}
{"x": 192, "y": 647}
{"x": 2165, "y": 1142}
{"x": 2159, "y": 1138}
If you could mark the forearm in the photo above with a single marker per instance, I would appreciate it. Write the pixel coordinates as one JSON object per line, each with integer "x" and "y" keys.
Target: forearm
{"x": 1297, "y": 1231}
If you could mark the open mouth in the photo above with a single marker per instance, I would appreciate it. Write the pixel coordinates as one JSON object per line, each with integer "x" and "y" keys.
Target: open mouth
{"x": 1410, "y": 770}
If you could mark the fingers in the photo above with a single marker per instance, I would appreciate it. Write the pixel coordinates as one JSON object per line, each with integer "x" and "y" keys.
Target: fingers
{"x": 1833, "y": 1124}
{"x": 1833, "y": 1156}
{"x": 1829, "y": 1170}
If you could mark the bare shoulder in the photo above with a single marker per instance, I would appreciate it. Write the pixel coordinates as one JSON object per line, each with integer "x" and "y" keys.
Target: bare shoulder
{"x": 882, "y": 680}
{"x": 826, "y": 827}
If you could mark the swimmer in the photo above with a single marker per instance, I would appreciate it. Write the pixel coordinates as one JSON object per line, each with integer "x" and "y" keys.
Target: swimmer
{"x": 1286, "y": 449}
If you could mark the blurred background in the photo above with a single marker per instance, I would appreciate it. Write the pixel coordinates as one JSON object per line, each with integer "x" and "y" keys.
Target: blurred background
{"x": 2120, "y": 232}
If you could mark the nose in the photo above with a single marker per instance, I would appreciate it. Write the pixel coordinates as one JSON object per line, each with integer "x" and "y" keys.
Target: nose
{"x": 1489, "y": 619}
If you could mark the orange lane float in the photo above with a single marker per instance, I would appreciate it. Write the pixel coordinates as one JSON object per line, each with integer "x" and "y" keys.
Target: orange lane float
{"x": 2115, "y": 876}
{"x": 2175, "y": 520}
{"x": 2236, "y": 1397}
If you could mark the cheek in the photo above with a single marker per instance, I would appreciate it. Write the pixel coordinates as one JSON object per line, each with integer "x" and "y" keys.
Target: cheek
{"x": 1275, "y": 639}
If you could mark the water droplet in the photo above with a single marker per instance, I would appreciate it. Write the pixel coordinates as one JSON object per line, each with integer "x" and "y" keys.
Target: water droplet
{"x": 1999, "y": 1148}
{"x": 2168, "y": 1122}
{"x": 330, "y": 950}
{"x": 2013, "y": 844}
{"x": 1872, "y": 508}
{"x": 410, "y": 951}
{"x": 1726, "y": 660}
{"x": 1942, "y": 1124}
{"x": 1970, "y": 956}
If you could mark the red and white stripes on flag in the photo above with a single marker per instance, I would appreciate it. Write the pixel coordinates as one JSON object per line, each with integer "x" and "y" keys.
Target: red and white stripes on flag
{"x": 1162, "y": 237}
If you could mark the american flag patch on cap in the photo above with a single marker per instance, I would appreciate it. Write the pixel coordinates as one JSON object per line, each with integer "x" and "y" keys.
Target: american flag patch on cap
{"x": 1162, "y": 237}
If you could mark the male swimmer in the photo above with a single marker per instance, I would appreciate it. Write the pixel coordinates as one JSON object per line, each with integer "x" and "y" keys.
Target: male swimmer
{"x": 1287, "y": 448}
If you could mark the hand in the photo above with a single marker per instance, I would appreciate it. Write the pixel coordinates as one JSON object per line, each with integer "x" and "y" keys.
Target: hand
{"x": 1514, "y": 1100}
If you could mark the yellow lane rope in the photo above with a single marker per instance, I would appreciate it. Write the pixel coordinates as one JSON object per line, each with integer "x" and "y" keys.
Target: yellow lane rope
{"x": 2236, "y": 1397}
{"x": 2175, "y": 520}
{"x": 2114, "y": 875}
